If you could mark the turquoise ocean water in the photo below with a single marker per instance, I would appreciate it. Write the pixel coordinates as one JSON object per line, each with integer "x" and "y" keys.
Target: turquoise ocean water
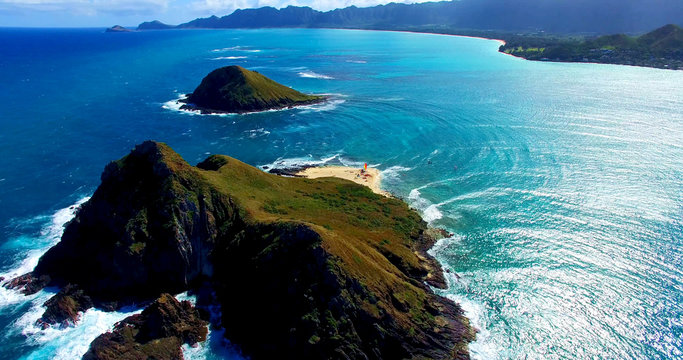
{"x": 562, "y": 183}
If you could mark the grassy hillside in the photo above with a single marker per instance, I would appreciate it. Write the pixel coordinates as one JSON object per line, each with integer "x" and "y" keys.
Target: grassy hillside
{"x": 236, "y": 89}
{"x": 314, "y": 268}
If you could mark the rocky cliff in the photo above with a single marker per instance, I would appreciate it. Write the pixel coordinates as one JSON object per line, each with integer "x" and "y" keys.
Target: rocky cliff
{"x": 312, "y": 268}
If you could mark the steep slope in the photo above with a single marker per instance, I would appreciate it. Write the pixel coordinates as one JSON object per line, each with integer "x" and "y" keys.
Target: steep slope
{"x": 665, "y": 39}
{"x": 234, "y": 89}
{"x": 313, "y": 268}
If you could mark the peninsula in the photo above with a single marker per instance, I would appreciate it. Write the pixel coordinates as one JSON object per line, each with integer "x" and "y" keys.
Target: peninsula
{"x": 313, "y": 268}
{"x": 234, "y": 89}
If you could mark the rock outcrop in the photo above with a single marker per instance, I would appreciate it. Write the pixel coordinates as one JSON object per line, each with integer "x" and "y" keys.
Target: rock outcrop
{"x": 234, "y": 89}
{"x": 64, "y": 308}
{"x": 156, "y": 333}
{"x": 311, "y": 268}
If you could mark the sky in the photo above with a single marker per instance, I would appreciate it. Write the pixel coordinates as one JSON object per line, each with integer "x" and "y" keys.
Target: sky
{"x": 105, "y": 13}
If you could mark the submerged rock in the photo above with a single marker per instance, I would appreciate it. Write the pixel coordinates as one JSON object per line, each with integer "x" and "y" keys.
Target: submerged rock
{"x": 234, "y": 89}
{"x": 156, "y": 333}
{"x": 63, "y": 309}
{"x": 28, "y": 284}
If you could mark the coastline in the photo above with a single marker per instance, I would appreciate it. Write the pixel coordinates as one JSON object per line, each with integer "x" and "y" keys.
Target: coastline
{"x": 370, "y": 177}
{"x": 178, "y": 105}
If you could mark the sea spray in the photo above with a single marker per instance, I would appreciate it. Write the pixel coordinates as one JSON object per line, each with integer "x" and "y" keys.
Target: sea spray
{"x": 49, "y": 235}
{"x": 52, "y": 342}
{"x": 216, "y": 346}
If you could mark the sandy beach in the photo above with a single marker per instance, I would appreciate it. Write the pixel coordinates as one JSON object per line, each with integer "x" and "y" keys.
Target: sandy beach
{"x": 370, "y": 178}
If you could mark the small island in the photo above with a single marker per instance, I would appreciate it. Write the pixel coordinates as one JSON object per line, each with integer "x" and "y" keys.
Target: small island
{"x": 234, "y": 89}
{"x": 318, "y": 268}
{"x": 118, "y": 29}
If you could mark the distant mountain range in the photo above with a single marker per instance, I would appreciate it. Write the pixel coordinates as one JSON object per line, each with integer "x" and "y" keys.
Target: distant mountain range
{"x": 550, "y": 16}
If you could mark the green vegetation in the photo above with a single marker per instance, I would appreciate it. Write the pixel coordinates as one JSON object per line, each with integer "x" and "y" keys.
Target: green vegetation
{"x": 234, "y": 89}
{"x": 662, "y": 48}
{"x": 314, "y": 268}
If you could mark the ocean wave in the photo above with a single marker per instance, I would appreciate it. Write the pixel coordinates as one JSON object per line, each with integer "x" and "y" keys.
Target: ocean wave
{"x": 483, "y": 347}
{"x": 257, "y": 133}
{"x": 236, "y": 48}
{"x": 357, "y": 61}
{"x": 288, "y": 163}
{"x": 216, "y": 345}
{"x": 327, "y": 105}
{"x": 49, "y": 235}
{"x": 432, "y": 213}
{"x": 314, "y": 75}
{"x": 69, "y": 342}
{"x": 229, "y": 58}
{"x": 394, "y": 171}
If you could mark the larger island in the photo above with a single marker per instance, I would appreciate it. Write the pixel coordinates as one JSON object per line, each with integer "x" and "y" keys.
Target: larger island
{"x": 312, "y": 268}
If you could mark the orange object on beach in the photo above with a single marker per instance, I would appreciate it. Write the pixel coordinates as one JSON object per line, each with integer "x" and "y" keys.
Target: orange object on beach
{"x": 366, "y": 166}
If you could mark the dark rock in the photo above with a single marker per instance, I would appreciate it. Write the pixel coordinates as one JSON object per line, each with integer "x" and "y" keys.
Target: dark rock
{"x": 156, "y": 333}
{"x": 320, "y": 284}
{"x": 291, "y": 171}
{"x": 63, "y": 308}
{"x": 154, "y": 227}
{"x": 28, "y": 284}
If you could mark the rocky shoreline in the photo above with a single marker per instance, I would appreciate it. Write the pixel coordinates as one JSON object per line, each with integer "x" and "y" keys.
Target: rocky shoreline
{"x": 349, "y": 284}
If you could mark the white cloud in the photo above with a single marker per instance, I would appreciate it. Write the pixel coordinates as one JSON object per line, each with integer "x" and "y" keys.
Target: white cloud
{"x": 86, "y": 7}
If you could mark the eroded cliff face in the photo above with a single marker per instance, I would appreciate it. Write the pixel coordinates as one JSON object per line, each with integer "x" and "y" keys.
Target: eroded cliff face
{"x": 149, "y": 228}
{"x": 308, "y": 268}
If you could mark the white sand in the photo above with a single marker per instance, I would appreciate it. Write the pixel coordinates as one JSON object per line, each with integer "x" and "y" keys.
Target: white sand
{"x": 369, "y": 178}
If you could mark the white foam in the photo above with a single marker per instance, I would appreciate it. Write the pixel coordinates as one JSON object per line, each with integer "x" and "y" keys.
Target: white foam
{"x": 257, "y": 133}
{"x": 216, "y": 345}
{"x": 313, "y": 75}
{"x": 432, "y": 213}
{"x": 69, "y": 342}
{"x": 185, "y": 296}
{"x": 175, "y": 105}
{"x": 394, "y": 171}
{"x": 50, "y": 235}
{"x": 329, "y": 104}
{"x": 229, "y": 58}
{"x": 236, "y": 48}
{"x": 357, "y": 61}
{"x": 483, "y": 347}
{"x": 285, "y": 163}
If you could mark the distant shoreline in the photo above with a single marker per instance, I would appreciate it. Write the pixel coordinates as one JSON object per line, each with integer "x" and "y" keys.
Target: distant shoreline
{"x": 553, "y": 42}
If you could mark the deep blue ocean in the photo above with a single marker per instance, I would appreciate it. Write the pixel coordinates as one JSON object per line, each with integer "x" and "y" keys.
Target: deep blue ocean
{"x": 562, "y": 183}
